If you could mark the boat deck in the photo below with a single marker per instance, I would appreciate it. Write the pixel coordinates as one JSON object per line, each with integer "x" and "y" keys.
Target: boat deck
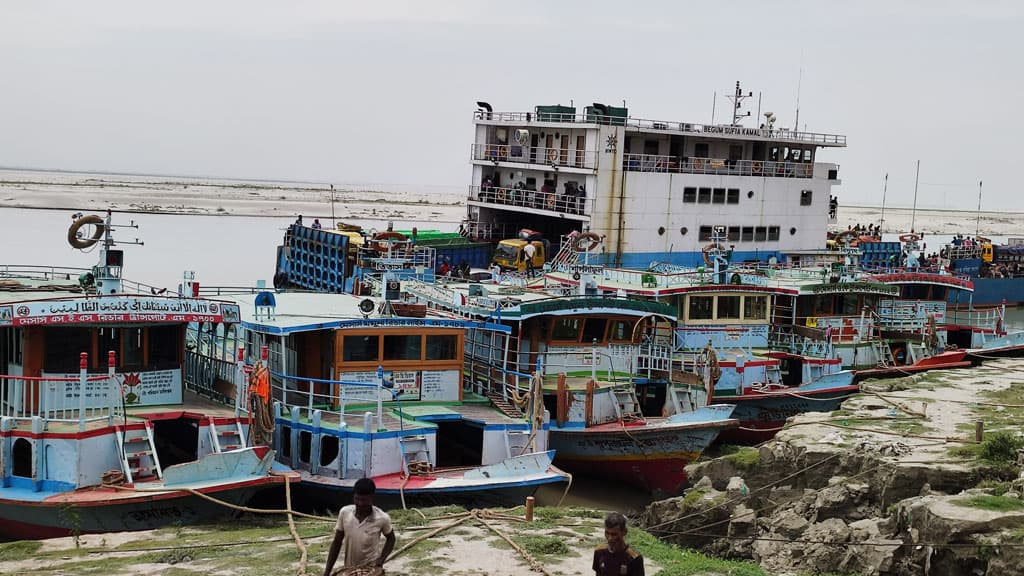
{"x": 418, "y": 416}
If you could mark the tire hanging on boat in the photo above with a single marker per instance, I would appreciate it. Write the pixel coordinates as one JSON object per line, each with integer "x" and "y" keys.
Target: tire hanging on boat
{"x": 97, "y": 235}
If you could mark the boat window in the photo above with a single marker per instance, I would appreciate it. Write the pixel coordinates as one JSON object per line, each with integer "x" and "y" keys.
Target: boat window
{"x": 651, "y": 147}
{"x": 704, "y": 234}
{"x": 733, "y": 196}
{"x": 773, "y": 233}
{"x": 748, "y": 234}
{"x": 704, "y": 196}
{"x": 164, "y": 342}
{"x": 734, "y": 233}
{"x": 690, "y": 195}
{"x": 621, "y": 330}
{"x": 361, "y": 348}
{"x": 566, "y": 329}
{"x": 403, "y": 347}
{"x": 109, "y": 339}
{"x": 807, "y": 155}
{"x": 700, "y": 307}
{"x": 442, "y": 347}
{"x": 593, "y": 329}
{"x": 760, "y": 234}
{"x": 755, "y": 307}
{"x": 849, "y": 304}
{"x": 14, "y": 347}
{"x": 131, "y": 348}
{"x": 805, "y": 197}
{"x": 718, "y": 196}
{"x": 823, "y": 305}
{"x": 700, "y": 150}
{"x": 728, "y": 307}
{"x": 63, "y": 345}
{"x": 773, "y": 155}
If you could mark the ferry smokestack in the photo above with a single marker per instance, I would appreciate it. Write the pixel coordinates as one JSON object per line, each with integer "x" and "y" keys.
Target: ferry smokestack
{"x": 485, "y": 106}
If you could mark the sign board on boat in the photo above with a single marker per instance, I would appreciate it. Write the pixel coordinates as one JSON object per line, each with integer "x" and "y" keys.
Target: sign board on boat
{"x": 121, "y": 309}
{"x": 153, "y": 388}
{"x": 435, "y": 385}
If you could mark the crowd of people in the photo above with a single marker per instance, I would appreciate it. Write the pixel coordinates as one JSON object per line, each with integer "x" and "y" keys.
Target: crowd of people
{"x": 571, "y": 200}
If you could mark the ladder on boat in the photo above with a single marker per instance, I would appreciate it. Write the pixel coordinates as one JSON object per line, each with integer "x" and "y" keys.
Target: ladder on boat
{"x": 139, "y": 459}
{"x": 883, "y": 353}
{"x": 417, "y": 454}
{"x": 681, "y": 399}
{"x": 226, "y": 436}
{"x": 627, "y": 406}
{"x": 504, "y": 406}
{"x": 566, "y": 257}
{"x": 517, "y": 443}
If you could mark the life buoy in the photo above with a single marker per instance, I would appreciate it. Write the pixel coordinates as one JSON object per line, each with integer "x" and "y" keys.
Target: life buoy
{"x": 909, "y": 237}
{"x": 500, "y": 195}
{"x": 551, "y": 201}
{"x": 756, "y": 167}
{"x": 83, "y": 243}
{"x": 707, "y": 249}
{"x": 552, "y": 155}
{"x": 382, "y": 240}
{"x": 580, "y": 242}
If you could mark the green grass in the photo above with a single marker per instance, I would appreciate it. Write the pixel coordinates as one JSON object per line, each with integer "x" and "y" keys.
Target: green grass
{"x": 992, "y": 503}
{"x": 675, "y": 561}
{"x": 541, "y": 545}
{"x": 19, "y": 550}
{"x": 743, "y": 458}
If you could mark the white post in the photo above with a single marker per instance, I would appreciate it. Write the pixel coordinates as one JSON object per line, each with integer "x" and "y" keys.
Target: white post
{"x": 83, "y": 374}
{"x": 593, "y": 360}
{"x": 380, "y": 401}
{"x": 112, "y": 388}
{"x": 240, "y": 383}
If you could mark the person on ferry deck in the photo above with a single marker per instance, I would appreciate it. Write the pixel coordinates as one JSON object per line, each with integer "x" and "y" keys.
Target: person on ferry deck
{"x": 316, "y": 224}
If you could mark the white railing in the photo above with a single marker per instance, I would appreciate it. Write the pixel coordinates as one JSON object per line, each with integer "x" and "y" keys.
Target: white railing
{"x": 684, "y": 127}
{"x": 550, "y": 201}
{"x": 678, "y": 165}
{"x": 567, "y": 157}
{"x": 69, "y": 275}
{"x": 80, "y": 399}
{"x": 490, "y": 230}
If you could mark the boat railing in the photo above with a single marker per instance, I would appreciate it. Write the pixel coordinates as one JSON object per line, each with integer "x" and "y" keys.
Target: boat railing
{"x": 526, "y": 118}
{"x": 489, "y": 230}
{"x": 798, "y": 344}
{"x": 35, "y": 401}
{"x": 203, "y": 372}
{"x": 523, "y": 198}
{"x": 589, "y": 358}
{"x": 541, "y": 155}
{"x": 70, "y": 274}
{"x": 991, "y": 319}
{"x": 718, "y": 166}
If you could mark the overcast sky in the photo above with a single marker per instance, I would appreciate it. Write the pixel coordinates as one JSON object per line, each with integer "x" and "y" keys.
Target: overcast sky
{"x": 383, "y": 92}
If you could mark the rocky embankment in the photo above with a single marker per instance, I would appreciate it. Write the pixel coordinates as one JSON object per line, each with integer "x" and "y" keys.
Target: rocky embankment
{"x": 892, "y": 484}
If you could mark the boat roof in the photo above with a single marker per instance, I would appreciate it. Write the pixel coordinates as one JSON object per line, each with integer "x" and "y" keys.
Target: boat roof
{"x": 308, "y": 311}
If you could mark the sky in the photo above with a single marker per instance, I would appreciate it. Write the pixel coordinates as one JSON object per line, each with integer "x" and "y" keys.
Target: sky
{"x": 383, "y": 92}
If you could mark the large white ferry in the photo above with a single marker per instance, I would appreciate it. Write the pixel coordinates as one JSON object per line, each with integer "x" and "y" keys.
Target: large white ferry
{"x": 655, "y": 190}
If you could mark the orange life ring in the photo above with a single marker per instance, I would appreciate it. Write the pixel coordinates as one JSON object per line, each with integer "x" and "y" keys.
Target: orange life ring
{"x": 594, "y": 239}
{"x": 551, "y": 201}
{"x": 382, "y": 240}
{"x": 707, "y": 249}
{"x": 97, "y": 234}
{"x": 909, "y": 237}
{"x": 552, "y": 155}
{"x": 756, "y": 167}
{"x": 500, "y": 195}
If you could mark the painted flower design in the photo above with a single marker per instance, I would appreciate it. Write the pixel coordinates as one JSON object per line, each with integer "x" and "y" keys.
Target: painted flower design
{"x": 131, "y": 380}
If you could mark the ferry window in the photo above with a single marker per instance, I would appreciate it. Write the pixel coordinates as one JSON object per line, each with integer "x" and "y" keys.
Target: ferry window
{"x": 755, "y": 307}
{"x": 773, "y": 233}
{"x": 700, "y": 150}
{"x": 705, "y": 233}
{"x": 773, "y": 155}
{"x": 748, "y": 234}
{"x": 728, "y": 307}
{"x": 593, "y": 329}
{"x": 805, "y": 197}
{"x": 108, "y": 339}
{"x": 700, "y": 307}
{"x": 760, "y": 234}
{"x": 733, "y": 196}
{"x": 690, "y": 195}
{"x": 360, "y": 348}
{"x": 718, "y": 196}
{"x": 621, "y": 330}
{"x": 403, "y": 347}
{"x": 736, "y": 152}
{"x": 566, "y": 329}
{"x": 734, "y": 233}
{"x": 795, "y": 154}
{"x": 15, "y": 347}
{"x": 442, "y": 347}
{"x": 131, "y": 348}
{"x": 164, "y": 342}
{"x": 704, "y": 196}
{"x": 807, "y": 155}
{"x": 63, "y": 345}
{"x": 651, "y": 147}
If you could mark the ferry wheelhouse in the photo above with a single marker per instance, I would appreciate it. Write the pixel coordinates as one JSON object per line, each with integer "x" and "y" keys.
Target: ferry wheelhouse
{"x": 653, "y": 189}
{"x": 98, "y": 431}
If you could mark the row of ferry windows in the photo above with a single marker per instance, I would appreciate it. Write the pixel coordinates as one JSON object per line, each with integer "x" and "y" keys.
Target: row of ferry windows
{"x": 727, "y": 307}
{"x": 370, "y": 348}
{"x": 711, "y": 195}
{"x": 743, "y": 233}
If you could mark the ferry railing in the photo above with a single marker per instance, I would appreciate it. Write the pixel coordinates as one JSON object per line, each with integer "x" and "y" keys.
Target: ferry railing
{"x": 720, "y": 166}
{"x": 77, "y": 399}
{"x": 549, "y": 201}
{"x": 490, "y": 230}
{"x": 70, "y": 274}
{"x": 685, "y": 127}
{"x": 202, "y": 373}
{"x": 543, "y": 155}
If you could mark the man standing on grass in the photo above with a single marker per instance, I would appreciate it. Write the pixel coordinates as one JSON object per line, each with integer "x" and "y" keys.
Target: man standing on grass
{"x": 360, "y": 527}
{"x": 616, "y": 557}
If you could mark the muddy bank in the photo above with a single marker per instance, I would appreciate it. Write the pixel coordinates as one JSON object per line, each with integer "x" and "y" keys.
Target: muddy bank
{"x": 891, "y": 484}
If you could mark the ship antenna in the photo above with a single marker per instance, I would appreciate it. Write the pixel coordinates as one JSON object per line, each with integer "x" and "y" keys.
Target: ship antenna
{"x": 977, "y": 225}
{"x": 737, "y": 102}
{"x": 913, "y": 213}
{"x": 799, "y": 82}
{"x": 881, "y": 218}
